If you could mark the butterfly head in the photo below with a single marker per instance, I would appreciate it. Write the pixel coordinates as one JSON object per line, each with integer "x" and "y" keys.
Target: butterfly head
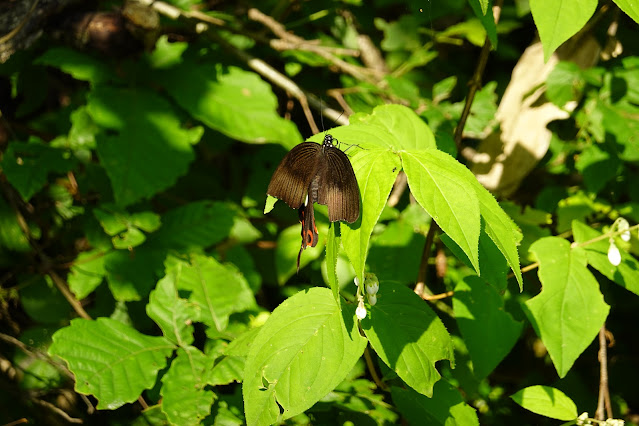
{"x": 329, "y": 141}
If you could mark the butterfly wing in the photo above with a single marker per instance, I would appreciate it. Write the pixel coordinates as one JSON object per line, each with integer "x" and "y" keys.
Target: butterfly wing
{"x": 338, "y": 186}
{"x": 293, "y": 176}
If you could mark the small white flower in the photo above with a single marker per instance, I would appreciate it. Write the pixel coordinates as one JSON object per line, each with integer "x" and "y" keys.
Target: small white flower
{"x": 372, "y": 299}
{"x": 581, "y": 420}
{"x": 624, "y": 227}
{"x": 371, "y": 283}
{"x": 360, "y": 312}
{"x": 356, "y": 280}
{"x": 614, "y": 255}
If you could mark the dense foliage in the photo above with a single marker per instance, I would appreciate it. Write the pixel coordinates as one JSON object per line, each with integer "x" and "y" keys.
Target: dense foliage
{"x": 147, "y": 278}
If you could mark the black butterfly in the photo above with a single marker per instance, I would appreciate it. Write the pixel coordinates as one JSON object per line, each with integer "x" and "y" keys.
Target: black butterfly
{"x": 313, "y": 173}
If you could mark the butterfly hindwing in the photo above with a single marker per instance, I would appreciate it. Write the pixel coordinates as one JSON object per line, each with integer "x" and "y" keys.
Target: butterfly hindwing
{"x": 293, "y": 176}
{"x": 338, "y": 186}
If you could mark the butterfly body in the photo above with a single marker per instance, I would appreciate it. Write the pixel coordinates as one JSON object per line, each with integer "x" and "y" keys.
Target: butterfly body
{"x": 316, "y": 173}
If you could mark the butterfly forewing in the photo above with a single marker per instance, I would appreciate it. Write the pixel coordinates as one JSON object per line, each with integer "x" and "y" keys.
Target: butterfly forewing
{"x": 338, "y": 186}
{"x": 293, "y": 176}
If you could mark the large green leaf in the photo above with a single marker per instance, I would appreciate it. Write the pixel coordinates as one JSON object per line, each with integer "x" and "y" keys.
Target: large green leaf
{"x": 132, "y": 275}
{"x": 558, "y": 20}
{"x": 446, "y": 407}
{"x": 110, "y": 360}
{"x": 195, "y": 225}
{"x": 215, "y": 290}
{"x": 408, "y": 336}
{"x": 489, "y": 331}
{"x": 630, "y": 7}
{"x": 305, "y": 349}
{"x": 185, "y": 401}
{"x": 547, "y": 401}
{"x": 626, "y": 274}
{"x": 27, "y": 165}
{"x": 438, "y": 183}
{"x": 376, "y": 171}
{"x": 147, "y": 149}
{"x": 570, "y": 309}
{"x": 235, "y": 102}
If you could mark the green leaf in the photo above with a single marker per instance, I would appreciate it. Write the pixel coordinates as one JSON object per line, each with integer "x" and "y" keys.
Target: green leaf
{"x": 27, "y": 165}
{"x": 332, "y": 248}
{"x": 564, "y": 83}
{"x": 237, "y": 103}
{"x": 485, "y": 15}
{"x": 131, "y": 275}
{"x": 547, "y": 401}
{"x": 185, "y": 401}
{"x": 500, "y": 228}
{"x": 216, "y": 290}
{"x": 173, "y": 314}
{"x": 396, "y": 251}
{"x": 288, "y": 247}
{"x": 570, "y": 309}
{"x": 305, "y": 349}
{"x": 598, "y": 166}
{"x": 558, "y": 20}
{"x": 479, "y": 311}
{"x": 626, "y": 274}
{"x": 230, "y": 369}
{"x": 440, "y": 185}
{"x": 376, "y": 171}
{"x": 79, "y": 65}
{"x": 408, "y": 336}
{"x": 399, "y": 35}
{"x": 446, "y": 407}
{"x": 86, "y": 273}
{"x": 401, "y": 127}
{"x": 198, "y": 224}
{"x": 110, "y": 360}
{"x": 42, "y": 300}
{"x": 147, "y": 149}
{"x": 630, "y": 7}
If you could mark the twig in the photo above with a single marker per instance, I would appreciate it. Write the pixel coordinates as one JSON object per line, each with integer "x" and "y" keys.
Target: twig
{"x": 604, "y": 391}
{"x": 291, "y": 41}
{"x": 371, "y": 369}
{"x": 398, "y": 189}
{"x": 58, "y": 411}
{"x": 34, "y": 353}
{"x": 438, "y": 296}
{"x": 475, "y": 81}
{"x": 17, "y": 422}
{"x": 420, "y": 287}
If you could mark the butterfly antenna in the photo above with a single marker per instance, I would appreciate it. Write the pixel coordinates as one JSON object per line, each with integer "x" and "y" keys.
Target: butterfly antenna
{"x": 322, "y": 115}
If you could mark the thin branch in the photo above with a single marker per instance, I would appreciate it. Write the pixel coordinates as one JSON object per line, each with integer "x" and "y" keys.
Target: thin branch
{"x": 58, "y": 411}
{"x": 371, "y": 369}
{"x": 291, "y": 41}
{"x": 604, "y": 391}
{"x": 439, "y": 296}
{"x": 401, "y": 183}
{"x": 420, "y": 287}
{"x": 475, "y": 81}
{"x": 34, "y": 353}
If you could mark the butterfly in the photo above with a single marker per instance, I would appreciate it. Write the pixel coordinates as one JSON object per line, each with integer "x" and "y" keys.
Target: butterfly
{"x": 316, "y": 173}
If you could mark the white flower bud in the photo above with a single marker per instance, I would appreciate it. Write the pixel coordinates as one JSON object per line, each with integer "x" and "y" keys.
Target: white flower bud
{"x": 614, "y": 255}
{"x": 360, "y": 312}
{"x": 356, "y": 281}
{"x": 372, "y": 299}
{"x": 371, "y": 283}
{"x": 624, "y": 228}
